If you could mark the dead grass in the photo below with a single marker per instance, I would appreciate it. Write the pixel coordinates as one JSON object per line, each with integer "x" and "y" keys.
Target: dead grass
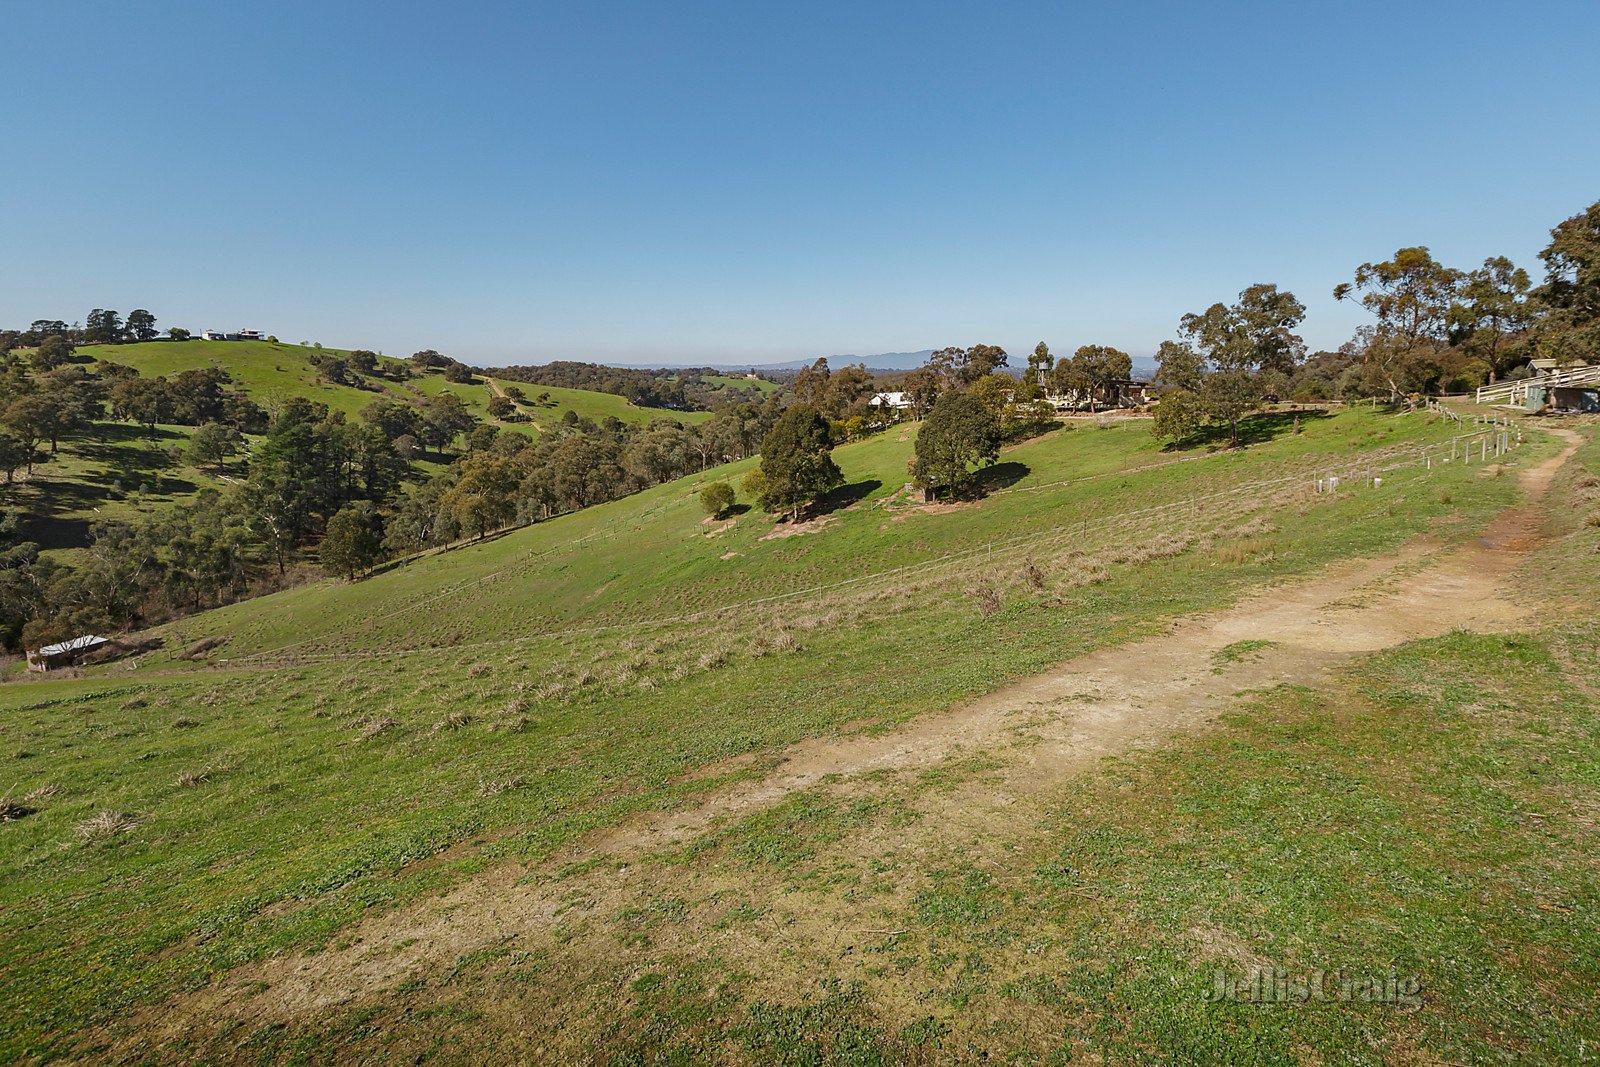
{"x": 1237, "y": 552}
{"x": 190, "y": 779}
{"x": 495, "y": 786}
{"x": 986, "y": 594}
{"x": 105, "y": 825}
{"x": 11, "y": 810}
{"x": 371, "y": 728}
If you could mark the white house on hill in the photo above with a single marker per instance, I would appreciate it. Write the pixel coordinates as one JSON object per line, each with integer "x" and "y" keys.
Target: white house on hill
{"x": 889, "y": 402}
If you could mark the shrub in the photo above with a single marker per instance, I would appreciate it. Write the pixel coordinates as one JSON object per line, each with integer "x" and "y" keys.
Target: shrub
{"x": 986, "y": 594}
{"x": 716, "y": 499}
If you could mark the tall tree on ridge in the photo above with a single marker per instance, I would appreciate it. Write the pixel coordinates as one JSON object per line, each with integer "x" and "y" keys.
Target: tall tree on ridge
{"x": 1571, "y": 291}
{"x": 797, "y": 461}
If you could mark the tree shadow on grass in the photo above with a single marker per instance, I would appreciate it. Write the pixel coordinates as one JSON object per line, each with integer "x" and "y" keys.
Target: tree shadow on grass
{"x": 50, "y": 532}
{"x": 1001, "y": 476}
{"x": 844, "y": 496}
{"x": 1254, "y": 430}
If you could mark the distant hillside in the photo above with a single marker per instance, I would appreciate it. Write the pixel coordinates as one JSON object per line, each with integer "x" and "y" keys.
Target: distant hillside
{"x": 265, "y": 370}
{"x": 123, "y": 471}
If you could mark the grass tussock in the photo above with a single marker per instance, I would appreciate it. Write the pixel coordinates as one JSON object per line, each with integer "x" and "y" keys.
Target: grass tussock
{"x": 191, "y": 779}
{"x": 377, "y": 727}
{"x": 986, "y": 594}
{"x": 493, "y": 787}
{"x": 104, "y": 825}
{"x": 11, "y": 810}
{"x": 1249, "y": 550}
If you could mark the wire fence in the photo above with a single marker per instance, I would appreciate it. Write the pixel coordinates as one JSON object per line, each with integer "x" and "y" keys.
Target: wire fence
{"x": 1315, "y": 476}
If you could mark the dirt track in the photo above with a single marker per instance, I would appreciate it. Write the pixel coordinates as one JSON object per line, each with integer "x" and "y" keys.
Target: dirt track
{"x": 1101, "y": 704}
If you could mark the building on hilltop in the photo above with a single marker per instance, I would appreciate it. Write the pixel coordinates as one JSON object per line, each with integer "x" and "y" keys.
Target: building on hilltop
{"x": 237, "y": 335}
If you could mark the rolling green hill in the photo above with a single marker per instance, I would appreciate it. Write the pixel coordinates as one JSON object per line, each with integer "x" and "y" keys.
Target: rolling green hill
{"x": 118, "y": 471}
{"x": 266, "y": 370}
{"x": 354, "y": 746}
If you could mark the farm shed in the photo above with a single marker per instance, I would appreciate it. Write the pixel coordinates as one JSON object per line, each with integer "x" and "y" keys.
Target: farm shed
{"x": 64, "y": 653}
{"x": 1580, "y": 398}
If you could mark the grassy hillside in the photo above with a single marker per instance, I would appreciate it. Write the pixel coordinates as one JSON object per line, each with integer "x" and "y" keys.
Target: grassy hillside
{"x": 267, "y": 370}
{"x": 366, "y": 744}
{"x": 653, "y": 555}
{"x": 264, "y": 371}
{"x": 118, "y": 471}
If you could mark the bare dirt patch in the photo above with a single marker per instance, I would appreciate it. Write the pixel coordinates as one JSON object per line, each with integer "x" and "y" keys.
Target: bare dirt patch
{"x": 797, "y": 529}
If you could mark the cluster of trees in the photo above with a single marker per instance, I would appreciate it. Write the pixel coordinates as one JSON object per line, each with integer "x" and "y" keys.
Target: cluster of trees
{"x": 101, "y": 327}
{"x": 43, "y": 408}
{"x": 188, "y": 398}
{"x": 645, "y": 388}
{"x": 1216, "y": 371}
{"x": 1090, "y": 374}
{"x": 1435, "y": 328}
{"x": 971, "y": 409}
{"x": 1440, "y": 328}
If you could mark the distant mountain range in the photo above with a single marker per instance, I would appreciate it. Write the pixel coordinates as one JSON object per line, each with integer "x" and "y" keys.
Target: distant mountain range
{"x": 881, "y": 361}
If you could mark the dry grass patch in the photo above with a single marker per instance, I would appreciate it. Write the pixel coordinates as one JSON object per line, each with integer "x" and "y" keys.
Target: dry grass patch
{"x": 105, "y": 825}
{"x": 985, "y": 593}
{"x": 371, "y": 728}
{"x": 488, "y": 787}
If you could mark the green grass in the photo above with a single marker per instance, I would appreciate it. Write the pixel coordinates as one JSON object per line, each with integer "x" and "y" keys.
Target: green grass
{"x": 267, "y": 371}
{"x": 649, "y": 556}
{"x": 1238, "y": 652}
{"x": 304, "y": 820}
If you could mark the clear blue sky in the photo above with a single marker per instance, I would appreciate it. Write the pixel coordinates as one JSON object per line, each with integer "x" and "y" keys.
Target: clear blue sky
{"x": 634, "y": 181}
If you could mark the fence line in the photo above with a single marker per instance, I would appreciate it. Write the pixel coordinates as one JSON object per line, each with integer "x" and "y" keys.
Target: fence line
{"x": 1122, "y": 520}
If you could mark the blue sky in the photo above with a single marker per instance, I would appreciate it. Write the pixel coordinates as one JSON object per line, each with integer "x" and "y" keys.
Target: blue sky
{"x": 736, "y": 182}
